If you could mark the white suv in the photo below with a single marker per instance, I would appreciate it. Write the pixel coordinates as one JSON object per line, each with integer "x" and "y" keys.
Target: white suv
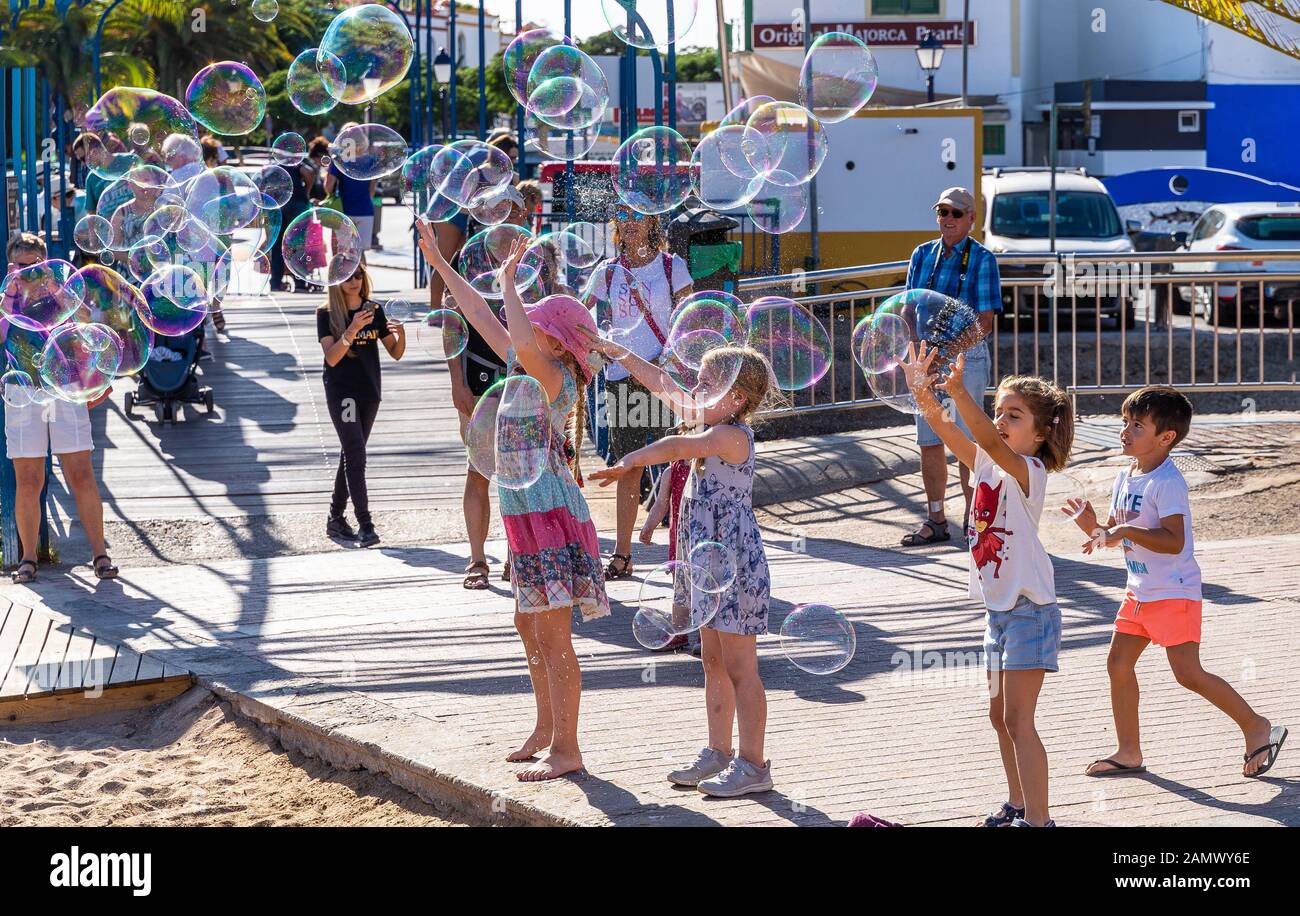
{"x": 1017, "y": 205}
{"x": 1242, "y": 227}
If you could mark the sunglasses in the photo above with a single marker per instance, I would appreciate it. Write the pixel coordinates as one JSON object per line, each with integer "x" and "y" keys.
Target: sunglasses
{"x": 946, "y": 212}
{"x": 623, "y": 215}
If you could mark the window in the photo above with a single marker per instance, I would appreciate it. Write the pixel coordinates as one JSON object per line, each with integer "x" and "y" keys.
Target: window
{"x": 1189, "y": 122}
{"x": 1207, "y": 225}
{"x": 1274, "y": 227}
{"x": 1079, "y": 215}
{"x": 995, "y": 139}
{"x": 905, "y": 7}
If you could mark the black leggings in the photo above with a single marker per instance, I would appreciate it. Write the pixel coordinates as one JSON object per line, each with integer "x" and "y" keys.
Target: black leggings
{"x": 353, "y": 418}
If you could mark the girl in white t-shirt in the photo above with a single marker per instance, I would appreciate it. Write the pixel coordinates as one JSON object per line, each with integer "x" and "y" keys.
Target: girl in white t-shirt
{"x": 1030, "y": 434}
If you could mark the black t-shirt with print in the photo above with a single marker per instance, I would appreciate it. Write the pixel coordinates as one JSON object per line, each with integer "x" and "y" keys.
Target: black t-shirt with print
{"x": 357, "y": 373}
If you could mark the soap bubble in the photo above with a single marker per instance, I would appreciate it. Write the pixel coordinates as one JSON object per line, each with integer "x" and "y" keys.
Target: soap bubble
{"x": 880, "y": 342}
{"x": 652, "y": 170}
{"x": 509, "y": 437}
{"x": 494, "y": 207}
{"x": 675, "y": 598}
{"x": 124, "y": 115}
{"x": 794, "y": 142}
{"x": 289, "y": 149}
{"x": 705, "y": 323}
{"x": 368, "y": 151}
{"x": 838, "y": 77}
{"x": 779, "y": 205}
{"x": 707, "y": 384}
{"x": 543, "y": 140}
{"x": 794, "y": 341}
{"x": 742, "y": 151}
{"x": 275, "y": 185}
{"x": 418, "y": 182}
{"x": 567, "y": 89}
{"x": 520, "y": 55}
{"x": 93, "y": 234}
{"x": 483, "y": 256}
{"x": 266, "y": 10}
{"x": 560, "y": 260}
{"x": 314, "y": 81}
{"x": 226, "y": 98}
{"x": 818, "y": 639}
{"x": 175, "y": 301}
{"x": 80, "y": 361}
{"x": 43, "y": 295}
{"x": 117, "y": 305}
{"x": 655, "y": 25}
{"x": 321, "y": 246}
{"x": 1061, "y": 488}
{"x": 223, "y": 200}
{"x": 467, "y": 170}
{"x": 19, "y": 389}
{"x": 714, "y": 183}
{"x": 399, "y": 310}
{"x": 375, "y": 48}
{"x": 442, "y": 333}
{"x": 713, "y": 566}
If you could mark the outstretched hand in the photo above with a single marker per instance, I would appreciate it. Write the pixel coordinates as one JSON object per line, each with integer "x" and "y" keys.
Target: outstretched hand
{"x": 511, "y": 266}
{"x": 612, "y": 474}
{"x": 918, "y": 366}
{"x": 1084, "y": 515}
{"x": 428, "y": 242}
{"x": 606, "y": 348}
{"x": 952, "y": 382}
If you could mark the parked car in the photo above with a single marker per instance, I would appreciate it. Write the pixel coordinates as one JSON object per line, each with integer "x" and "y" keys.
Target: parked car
{"x": 1242, "y": 227}
{"x": 1017, "y": 205}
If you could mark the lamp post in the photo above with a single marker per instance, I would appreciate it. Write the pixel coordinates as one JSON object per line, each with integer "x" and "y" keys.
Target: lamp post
{"x": 929, "y": 54}
{"x": 442, "y": 73}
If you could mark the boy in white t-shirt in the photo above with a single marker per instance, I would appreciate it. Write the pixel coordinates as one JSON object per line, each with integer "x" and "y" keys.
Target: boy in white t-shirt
{"x": 1151, "y": 519}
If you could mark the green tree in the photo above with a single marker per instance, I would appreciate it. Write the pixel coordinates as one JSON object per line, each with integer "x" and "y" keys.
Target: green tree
{"x": 699, "y": 65}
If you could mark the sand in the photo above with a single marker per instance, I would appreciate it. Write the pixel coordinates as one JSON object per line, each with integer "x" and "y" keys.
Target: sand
{"x": 189, "y": 762}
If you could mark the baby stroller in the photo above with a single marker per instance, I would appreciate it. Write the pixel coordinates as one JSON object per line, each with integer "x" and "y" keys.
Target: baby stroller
{"x": 163, "y": 384}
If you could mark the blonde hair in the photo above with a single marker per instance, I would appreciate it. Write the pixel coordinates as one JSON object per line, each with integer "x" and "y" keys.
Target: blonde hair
{"x": 754, "y": 382}
{"x": 337, "y": 303}
{"x": 577, "y": 422}
{"x": 656, "y": 239}
{"x": 1053, "y": 417}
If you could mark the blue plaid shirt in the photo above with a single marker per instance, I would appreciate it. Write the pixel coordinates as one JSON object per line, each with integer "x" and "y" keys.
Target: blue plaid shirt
{"x": 981, "y": 289}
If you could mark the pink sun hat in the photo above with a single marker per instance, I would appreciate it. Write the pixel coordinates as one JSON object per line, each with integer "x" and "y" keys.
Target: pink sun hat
{"x": 562, "y": 316}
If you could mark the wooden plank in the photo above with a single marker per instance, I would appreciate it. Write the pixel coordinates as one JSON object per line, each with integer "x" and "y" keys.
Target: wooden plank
{"x": 99, "y": 665}
{"x": 76, "y": 662}
{"x": 11, "y": 633}
{"x": 29, "y": 650}
{"x": 125, "y": 666}
{"x": 151, "y": 669}
{"x": 60, "y": 707}
{"x": 44, "y": 674}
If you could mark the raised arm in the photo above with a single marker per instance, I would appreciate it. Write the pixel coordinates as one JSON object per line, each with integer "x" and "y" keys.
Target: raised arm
{"x": 918, "y": 368}
{"x": 982, "y": 428}
{"x": 469, "y": 300}
{"x": 536, "y": 362}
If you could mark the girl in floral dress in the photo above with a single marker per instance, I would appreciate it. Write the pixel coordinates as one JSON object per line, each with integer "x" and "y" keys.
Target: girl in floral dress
{"x": 718, "y": 506}
{"x": 555, "y": 557}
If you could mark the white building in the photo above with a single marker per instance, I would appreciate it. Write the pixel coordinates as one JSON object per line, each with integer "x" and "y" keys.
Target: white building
{"x": 467, "y": 51}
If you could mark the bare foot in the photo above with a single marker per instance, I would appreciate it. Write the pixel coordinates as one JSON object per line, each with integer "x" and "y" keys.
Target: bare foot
{"x": 537, "y": 741}
{"x": 1099, "y": 767}
{"x": 1257, "y": 737}
{"x": 552, "y": 766}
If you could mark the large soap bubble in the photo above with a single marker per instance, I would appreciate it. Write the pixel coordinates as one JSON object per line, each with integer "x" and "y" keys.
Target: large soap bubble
{"x": 466, "y": 171}
{"x": 650, "y": 25}
{"x": 368, "y": 151}
{"x": 418, "y": 182}
{"x": 117, "y": 305}
{"x": 519, "y": 56}
{"x": 129, "y": 126}
{"x": 794, "y": 341}
{"x": 838, "y": 76}
{"x": 713, "y": 182}
{"x": 548, "y": 142}
{"x": 794, "y": 142}
{"x": 20, "y": 390}
{"x": 509, "y": 437}
{"x": 289, "y": 149}
{"x": 79, "y": 361}
{"x": 314, "y": 81}
{"x": 652, "y": 170}
{"x": 880, "y": 342}
{"x": 706, "y": 322}
{"x": 223, "y": 200}
{"x": 567, "y": 89}
{"x": 676, "y": 598}
{"x": 175, "y": 300}
{"x": 375, "y": 48}
{"x": 93, "y": 234}
{"x": 226, "y": 98}
{"x": 321, "y": 246}
{"x": 275, "y": 185}
{"x": 818, "y": 639}
{"x": 779, "y": 205}
{"x": 442, "y": 333}
{"x": 43, "y": 295}
{"x": 484, "y": 255}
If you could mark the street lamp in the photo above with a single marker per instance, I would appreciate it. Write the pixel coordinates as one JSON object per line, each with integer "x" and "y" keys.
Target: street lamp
{"x": 442, "y": 73}
{"x": 929, "y": 54}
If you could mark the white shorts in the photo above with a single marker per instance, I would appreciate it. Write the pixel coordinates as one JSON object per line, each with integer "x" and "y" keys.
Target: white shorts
{"x": 35, "y": 429}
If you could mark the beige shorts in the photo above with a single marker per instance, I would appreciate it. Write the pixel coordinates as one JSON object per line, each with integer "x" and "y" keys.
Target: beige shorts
{"x": 58, "y": 426}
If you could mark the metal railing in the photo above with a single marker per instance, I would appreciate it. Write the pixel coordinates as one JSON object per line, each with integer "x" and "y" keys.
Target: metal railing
{"x": 1095, "y": 324}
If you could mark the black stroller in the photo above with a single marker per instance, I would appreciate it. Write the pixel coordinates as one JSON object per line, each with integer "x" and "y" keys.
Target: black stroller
{"x": 164, "y": 385}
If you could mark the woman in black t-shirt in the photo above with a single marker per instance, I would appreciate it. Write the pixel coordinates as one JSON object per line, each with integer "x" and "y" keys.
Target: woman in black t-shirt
{"x": 350, "y": 325}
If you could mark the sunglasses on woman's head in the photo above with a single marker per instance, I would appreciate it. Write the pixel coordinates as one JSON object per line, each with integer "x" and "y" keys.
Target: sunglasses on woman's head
{"x": 946, "y": 212}
{"x": 624, "y": 214}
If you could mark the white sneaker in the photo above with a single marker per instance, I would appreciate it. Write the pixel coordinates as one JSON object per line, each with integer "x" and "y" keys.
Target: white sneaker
{"x": 739, "y": 778}
{"x": 707, "y": 763}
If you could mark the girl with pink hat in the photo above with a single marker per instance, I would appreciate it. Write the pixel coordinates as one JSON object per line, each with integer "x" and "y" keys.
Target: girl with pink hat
{"x": 555, "y": 557}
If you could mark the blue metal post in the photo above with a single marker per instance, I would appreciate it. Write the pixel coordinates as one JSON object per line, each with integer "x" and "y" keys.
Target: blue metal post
{"x": 672, "y": 68}
{"x": 95, "y": 47}
{"x": 455, "y": 63}
{"x": 570, "y": 195}
{"x": 31, "y": 151}
{"x": 428, "y": 75}
{"x": 520, "y": 124}
{"x": 482, "y": 74}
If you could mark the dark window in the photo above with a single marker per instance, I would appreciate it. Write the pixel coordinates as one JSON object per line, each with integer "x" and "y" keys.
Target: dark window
{"x": 995, "y": 139}
{"x": 1272, "y": 228}
{"x": 905, "y": 7}
{"x": 1079, "y": 215}
{"x": 1207, "y": 225}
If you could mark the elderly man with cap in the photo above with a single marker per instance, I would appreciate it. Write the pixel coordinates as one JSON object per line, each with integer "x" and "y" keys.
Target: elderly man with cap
{"x": 957, "y": 266}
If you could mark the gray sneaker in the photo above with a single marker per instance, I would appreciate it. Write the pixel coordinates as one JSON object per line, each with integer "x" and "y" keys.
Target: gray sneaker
{"x": 708, "y": 762}
{"x": 739, "y": 778}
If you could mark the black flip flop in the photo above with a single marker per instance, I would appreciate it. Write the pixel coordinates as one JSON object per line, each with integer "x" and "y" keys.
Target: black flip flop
{"x": 938, "y": 534}
{"x": 1119, "y": 769}
{"x": 1274, "y": 747}
{"x": 105, "y": 570}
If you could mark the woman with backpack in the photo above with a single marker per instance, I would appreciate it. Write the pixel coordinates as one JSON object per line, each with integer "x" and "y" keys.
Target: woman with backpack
{"x": 634, "y": 294}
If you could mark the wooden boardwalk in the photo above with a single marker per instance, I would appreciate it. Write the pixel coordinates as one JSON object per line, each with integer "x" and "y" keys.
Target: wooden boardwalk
{"x": 383, "y": 654}
{"x": 52, "y": 670}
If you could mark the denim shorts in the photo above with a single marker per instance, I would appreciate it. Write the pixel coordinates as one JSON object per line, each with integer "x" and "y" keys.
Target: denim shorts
{"x": 1027, "y": 637}
{"x": 975, "y": 378}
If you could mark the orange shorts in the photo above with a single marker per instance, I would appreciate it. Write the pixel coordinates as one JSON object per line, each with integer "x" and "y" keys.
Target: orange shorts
{"x": 1170, "y": 622}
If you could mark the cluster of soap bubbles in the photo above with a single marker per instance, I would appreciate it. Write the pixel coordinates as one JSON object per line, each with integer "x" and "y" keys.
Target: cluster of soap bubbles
{"x": 881, "y": 340}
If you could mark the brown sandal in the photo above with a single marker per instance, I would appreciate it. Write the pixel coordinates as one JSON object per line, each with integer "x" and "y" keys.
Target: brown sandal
{"x": 105, "y": 570}
{"x": 623, "y": 571}
{"x": 505, "y": 569}
{"x": 21, "y": 575}
{"x": 476, "y": 578}
{"x": 938, "y": 534}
